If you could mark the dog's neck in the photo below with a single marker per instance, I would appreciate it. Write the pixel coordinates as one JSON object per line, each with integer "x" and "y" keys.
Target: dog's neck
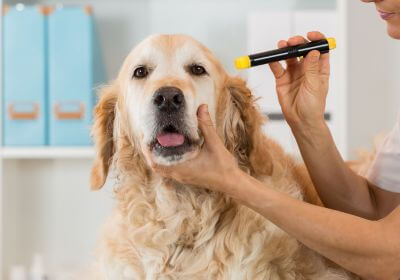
{"x": 186, "y": 213}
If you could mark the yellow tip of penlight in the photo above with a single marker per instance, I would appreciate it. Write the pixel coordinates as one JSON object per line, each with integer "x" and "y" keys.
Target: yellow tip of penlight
{"x": 331, "y": 43}
{"x": 242, "y": 62}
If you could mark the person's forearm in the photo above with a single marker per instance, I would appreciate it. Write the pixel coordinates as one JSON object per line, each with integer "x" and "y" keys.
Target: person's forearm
{"x": 361, "y": 246}
{"x": 337, "y": 185}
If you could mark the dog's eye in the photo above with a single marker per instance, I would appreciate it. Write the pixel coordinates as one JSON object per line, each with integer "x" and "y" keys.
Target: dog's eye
{"x": 197, "y": 70}
{"x": 140, "y": 72}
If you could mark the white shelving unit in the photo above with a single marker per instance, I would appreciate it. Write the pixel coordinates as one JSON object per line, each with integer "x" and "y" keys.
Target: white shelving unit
{"x": 46, "y": 205}
{"x": 47, "y": 153}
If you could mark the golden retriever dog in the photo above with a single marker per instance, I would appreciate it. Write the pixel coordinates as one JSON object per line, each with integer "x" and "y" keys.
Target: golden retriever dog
{"x": 162, "y": 229}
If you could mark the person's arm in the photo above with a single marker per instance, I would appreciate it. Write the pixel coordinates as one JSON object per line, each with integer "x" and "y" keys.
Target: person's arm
{"x": 302, "y": 88}
{"x": 370, "y": 249}
{"x": 338, "y": 186}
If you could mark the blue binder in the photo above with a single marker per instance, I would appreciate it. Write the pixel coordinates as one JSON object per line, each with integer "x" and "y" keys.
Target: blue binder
{"x": 24, "y": 77}
{"x": 70, "y": 76}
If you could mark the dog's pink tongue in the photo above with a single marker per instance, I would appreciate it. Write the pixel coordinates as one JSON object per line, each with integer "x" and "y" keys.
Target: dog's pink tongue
{"x": 170, "y": 139}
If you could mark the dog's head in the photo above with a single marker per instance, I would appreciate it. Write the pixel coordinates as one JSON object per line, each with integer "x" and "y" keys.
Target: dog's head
{"x": 153, "y": 103}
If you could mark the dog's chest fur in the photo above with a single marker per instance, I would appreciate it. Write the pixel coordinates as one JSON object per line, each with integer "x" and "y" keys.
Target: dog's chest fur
{"x": 163, "y": 230}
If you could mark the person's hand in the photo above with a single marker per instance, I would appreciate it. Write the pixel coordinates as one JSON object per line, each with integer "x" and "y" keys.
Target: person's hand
{"x": 212, "y": 168}
{"x": 303, "y": 86}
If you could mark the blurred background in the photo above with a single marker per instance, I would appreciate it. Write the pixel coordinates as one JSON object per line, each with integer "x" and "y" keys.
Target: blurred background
{"x": 54, "y": 55}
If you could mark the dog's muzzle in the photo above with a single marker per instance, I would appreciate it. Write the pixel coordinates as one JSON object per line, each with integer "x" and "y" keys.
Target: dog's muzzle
{"x": 170, "y": 105}
{"x": 172, "y": 138}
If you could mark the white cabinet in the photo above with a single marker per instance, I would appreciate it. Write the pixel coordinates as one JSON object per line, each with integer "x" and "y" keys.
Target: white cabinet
{"x": 46, "y": 205}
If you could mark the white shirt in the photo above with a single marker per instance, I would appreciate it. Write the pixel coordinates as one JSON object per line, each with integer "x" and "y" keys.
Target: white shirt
{"x": 385, "y": 169}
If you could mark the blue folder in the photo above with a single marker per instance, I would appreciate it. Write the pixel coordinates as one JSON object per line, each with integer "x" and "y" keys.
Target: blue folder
{"x": 70, "y": 76}
{"x": 24, "y": 77}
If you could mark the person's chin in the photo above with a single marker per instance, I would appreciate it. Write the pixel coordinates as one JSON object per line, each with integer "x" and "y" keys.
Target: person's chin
{"x": 393, "y": 30}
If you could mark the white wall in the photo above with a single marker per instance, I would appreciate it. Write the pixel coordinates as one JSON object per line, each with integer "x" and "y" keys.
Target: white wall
{"x": 373, "y": 76}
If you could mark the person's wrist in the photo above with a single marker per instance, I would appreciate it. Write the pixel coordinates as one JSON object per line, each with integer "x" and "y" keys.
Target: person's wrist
{"x": 247, "y": 190}
{"x": 229, "y": 183}
{"x": 311, "y": 131}
{"x": 308, "y": 125}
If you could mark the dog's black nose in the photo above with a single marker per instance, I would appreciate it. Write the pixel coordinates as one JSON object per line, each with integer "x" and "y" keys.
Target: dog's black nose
{"x": 169, "y": 99}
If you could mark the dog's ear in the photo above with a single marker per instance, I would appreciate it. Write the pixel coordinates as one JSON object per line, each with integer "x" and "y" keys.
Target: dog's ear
{"x": 102, "y": 131}
{"x": 241, "y": 125}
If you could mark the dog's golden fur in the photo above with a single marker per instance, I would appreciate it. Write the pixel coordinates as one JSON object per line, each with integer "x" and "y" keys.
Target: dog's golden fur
{"x": 162, "y": 229}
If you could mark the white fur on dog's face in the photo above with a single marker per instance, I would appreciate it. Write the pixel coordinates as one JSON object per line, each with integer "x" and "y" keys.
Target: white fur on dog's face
{"x": 169, "y": 62}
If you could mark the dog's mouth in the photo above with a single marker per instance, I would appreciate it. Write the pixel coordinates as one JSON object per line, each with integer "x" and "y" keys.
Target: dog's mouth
{"x": 170, "y": 137}
{"x": 172, "y": 143}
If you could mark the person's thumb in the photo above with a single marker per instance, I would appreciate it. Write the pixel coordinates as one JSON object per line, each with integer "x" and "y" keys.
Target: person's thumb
{"x": 205, "y": 124}
{"x": 311, "y": 64}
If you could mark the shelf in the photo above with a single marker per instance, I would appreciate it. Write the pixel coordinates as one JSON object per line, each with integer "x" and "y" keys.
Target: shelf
{"x": 47, "y": 152}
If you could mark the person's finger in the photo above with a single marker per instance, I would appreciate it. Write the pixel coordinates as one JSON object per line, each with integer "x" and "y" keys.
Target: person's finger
{"x": 282, "y": 44}
{"x": 324, "y": 60}
{"x": 205, "y": 124}
{"x": 291, "y": 62}
{"x": 325, "y": 67}
{"x": 277, "y": 69}
{"x": 315, "y": 35}
{"x": 297, "y": 40}
{"x": 312, "y": 64}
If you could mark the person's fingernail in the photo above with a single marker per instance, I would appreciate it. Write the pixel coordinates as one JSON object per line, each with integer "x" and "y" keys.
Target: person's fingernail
{"x": 206, "y": 109}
